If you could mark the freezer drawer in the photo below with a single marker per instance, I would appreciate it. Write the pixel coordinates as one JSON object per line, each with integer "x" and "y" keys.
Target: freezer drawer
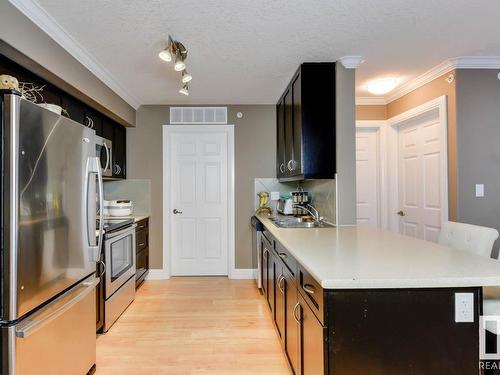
{"x": 59, "y": 339}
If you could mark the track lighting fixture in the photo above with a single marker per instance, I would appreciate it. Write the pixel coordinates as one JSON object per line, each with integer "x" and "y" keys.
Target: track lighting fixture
{"x": 177, "y": 49}
{"x": 184, "y": 90}
{"x": 186, "y": 77}
{"x": 179, "y": 62}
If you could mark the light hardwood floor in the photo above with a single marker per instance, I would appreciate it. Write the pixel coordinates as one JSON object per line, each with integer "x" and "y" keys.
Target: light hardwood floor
{"x": 193, "y": 326}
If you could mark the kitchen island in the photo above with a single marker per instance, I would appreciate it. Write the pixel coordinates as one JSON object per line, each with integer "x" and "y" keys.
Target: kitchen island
{"x": 355, "y": 300}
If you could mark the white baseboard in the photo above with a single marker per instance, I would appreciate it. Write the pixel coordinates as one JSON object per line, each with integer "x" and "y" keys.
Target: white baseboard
{"x": 242, "y": 273}
{"x": 157, "y": 274}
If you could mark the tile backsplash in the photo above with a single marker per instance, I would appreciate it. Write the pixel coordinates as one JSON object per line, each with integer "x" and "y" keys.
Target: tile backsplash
{"x": 138, "y": 191}
{"x": 323, "y": 193}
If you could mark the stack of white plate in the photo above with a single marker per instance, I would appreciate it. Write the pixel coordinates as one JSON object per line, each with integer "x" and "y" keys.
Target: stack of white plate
{"x": 119, "y": 207}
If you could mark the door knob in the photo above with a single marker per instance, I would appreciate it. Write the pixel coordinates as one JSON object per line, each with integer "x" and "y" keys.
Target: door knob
{"x": 401, "y": 213}
{"x": 177, "y": 212}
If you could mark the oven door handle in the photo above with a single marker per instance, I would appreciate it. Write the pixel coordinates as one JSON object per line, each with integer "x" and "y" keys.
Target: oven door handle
{"x": 120, "y": 232}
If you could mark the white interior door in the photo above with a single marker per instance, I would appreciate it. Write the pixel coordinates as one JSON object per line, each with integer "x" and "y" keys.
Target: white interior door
{"x": 199, "y": 202}
{"x": 367, "y": 177}
{"x": 420, "y": 184}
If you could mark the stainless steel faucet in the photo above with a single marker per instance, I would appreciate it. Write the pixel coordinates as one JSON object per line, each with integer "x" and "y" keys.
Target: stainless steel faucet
{"x": 310, "y": 209}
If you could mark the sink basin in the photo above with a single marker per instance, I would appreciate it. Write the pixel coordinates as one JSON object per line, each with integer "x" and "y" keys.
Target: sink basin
{"x": 297, "y": 222}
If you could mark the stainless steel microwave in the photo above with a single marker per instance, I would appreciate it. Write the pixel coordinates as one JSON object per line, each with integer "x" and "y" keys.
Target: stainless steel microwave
{"x": 103, "y": 149}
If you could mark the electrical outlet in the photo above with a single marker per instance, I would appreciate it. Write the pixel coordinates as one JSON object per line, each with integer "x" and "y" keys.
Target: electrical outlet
{"x": 275, "y": 195}
{"x": 464, "y": 307}
{"x": 479, "y": 190}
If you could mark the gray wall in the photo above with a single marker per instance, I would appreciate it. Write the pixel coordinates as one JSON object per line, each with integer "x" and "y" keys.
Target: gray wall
{"x": 346, "y": 145}
{"x": 478, "y": 140}
{"x": 255, "y": 154}
{"x": 18, "y": 31}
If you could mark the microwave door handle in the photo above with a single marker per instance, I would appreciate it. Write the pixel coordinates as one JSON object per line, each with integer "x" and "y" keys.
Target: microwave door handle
{"x": 108, "y": 157}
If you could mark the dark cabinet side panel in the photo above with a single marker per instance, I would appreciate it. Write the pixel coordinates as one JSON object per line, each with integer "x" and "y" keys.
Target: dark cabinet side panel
{"x": 398, "y": 331}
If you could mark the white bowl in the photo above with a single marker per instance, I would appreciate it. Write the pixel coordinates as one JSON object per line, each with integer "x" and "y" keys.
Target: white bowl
{"x": 52, "y": 107}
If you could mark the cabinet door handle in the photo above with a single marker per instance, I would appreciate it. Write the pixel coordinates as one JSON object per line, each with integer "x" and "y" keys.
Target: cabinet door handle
{"x": 177, "y": 212}
{"x": 295, "y": 312}
{"x": 282, "y": 168}
{"x": 141, "y": 243}
{"x": 290, "y": 165}
{"x": 308, "y": 288}
{"x": 283, "y": 255}
{"x": 280, "y": 280}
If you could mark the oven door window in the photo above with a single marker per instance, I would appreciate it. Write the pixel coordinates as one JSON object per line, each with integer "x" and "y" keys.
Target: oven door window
{"x": 121, "y": 257}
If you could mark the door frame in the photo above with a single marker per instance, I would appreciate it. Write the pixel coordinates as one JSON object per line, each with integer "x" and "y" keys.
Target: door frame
{"x": 168, "y": 130}
{"x": 380, "y": 126}
{"x": 394, "y": 123}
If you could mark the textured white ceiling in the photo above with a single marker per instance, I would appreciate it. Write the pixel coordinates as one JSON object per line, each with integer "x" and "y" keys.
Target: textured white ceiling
{"x": 244, "y": 52}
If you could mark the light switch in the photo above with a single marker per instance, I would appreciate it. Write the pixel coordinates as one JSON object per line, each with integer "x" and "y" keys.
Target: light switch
{"x": 464, "y": 307}
{"x": 479, "y": 190}
{"x": 275, "y": 195}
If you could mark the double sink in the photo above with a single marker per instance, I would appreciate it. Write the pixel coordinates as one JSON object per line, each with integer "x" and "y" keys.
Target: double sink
{"x": 298, "y": 222}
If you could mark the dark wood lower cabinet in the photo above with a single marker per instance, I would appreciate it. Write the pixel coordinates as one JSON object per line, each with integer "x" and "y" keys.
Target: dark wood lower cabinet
{"x": 142, "y": 251}
{"x": 292, "y": 322}
{"x": 99, "y": 294}
{"x": 366, "y": 331}
{"x": 279, "y": 305}
{"x": 312, "y": 340}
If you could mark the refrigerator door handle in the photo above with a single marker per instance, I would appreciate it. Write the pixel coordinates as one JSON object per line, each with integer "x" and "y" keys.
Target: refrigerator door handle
{"x": 49, "y": 313}
{"x": 94, "y": 168}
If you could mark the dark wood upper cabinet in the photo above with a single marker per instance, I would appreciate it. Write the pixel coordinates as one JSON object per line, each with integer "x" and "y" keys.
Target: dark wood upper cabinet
{"x": 307, "y": 137}
{"x": 75, "y": 110}
{"x": 99, "y": 120}
{"x": 108, "y": 129}
{"x": 119, "y": 151}
{"x": 280, "y": 119}
{"x": 93, "y": 120}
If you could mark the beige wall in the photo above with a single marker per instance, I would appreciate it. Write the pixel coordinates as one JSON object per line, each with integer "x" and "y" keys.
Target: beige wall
{"x": 255, "y": 154}
{"x": 421, "y": 95}
{"x": 371, "y": 112}
{"x": 345, "y": 137}
{"x": 25, "y": 36}
{"x": 430, "y": 91}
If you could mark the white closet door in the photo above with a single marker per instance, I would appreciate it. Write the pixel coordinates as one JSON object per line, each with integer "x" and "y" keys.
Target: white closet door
{"x": 199, "y": 196}
{"x": 420, "y": 180}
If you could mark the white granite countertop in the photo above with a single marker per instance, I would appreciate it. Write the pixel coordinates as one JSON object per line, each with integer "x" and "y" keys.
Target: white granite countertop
{"x": 363, "y": 258}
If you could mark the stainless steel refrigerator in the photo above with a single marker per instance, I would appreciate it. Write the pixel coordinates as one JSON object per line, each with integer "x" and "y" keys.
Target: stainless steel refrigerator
{"x": 50, "y": 185}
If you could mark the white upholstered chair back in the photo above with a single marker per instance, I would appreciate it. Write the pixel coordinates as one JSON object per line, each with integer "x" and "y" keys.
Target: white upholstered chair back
{"x": 467, "y": 237}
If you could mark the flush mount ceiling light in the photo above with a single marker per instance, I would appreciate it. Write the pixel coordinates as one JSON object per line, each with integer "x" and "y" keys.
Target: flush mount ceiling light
{"x": 184, "y": 90}
{"x": 177, "y": 49}
{"x": 382, "y": 86}
{"x": 186, "y": 77}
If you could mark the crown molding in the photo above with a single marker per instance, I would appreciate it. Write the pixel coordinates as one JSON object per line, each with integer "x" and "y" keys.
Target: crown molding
{"x": 38, "y": 15}
{"x": 476, "y": 62}
{"x": 371, "y": 100}
{"x": 351, "y": 62}
{"x": 462, "y": 62}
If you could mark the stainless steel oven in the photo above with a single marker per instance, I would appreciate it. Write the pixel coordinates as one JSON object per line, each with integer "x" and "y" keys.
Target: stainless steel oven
{"x": 119, "y": 286}
{"x": 119, "y": 255}
{"x": 104, "y": 151}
